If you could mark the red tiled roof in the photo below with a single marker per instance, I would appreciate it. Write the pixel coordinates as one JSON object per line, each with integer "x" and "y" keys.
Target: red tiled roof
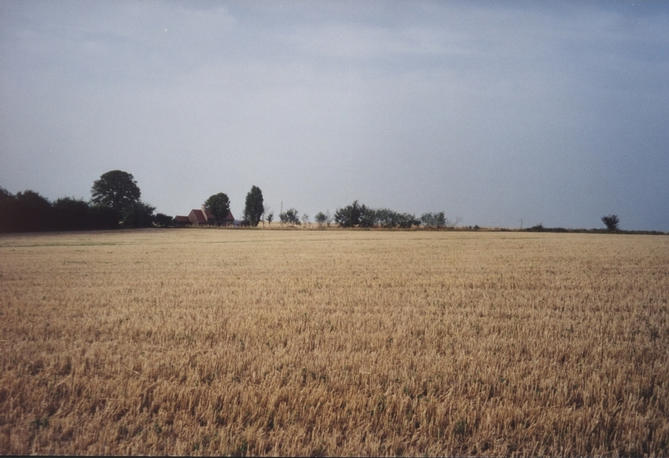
{"x": 197, "y": 216}
{"x": 210, "y": 216}
{"x": 204, "y": 216}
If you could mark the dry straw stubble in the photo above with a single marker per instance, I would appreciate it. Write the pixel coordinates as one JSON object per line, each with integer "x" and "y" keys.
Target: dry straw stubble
{"x": 334, "y": 342}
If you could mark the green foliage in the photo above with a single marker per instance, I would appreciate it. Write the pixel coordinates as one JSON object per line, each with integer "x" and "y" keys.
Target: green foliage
{"x": 4, "y": 194}
{"x": 434, "y": 219}
{"x": 349, "y": 216}
{"x": 70, "y": 213}
{"x": 388, "y": 218}
{"x": 367, "y": 217}
{"x": 116, "y": 189}
{"x": 29, "y": 211}
{"x": 269, "y": 217}
{"x": 32, "y": 212}
{"x": 162, "y": 220}
{"x": 611, "y": 222}
{"x": 218, "y": 205}
{"x": 254, "y": 206}
{"x": 289, "y": 217}
{"x": 138, "y": 214}
{"x": 363, "y": 216}
{"x": 7, "y": 211}
{"x": 114, "y": 202}
{"x": 103, "y": 217}
{"x": 321, "y": 218}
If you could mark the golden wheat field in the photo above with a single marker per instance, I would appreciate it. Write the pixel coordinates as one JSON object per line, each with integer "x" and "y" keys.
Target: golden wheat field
{"x": 218, "y": 342}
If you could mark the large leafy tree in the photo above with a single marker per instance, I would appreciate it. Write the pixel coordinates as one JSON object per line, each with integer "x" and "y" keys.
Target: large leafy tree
{"x": 254, "y": 206}
{"x": 116, "y": 189}
{"x": 218, "y": 205}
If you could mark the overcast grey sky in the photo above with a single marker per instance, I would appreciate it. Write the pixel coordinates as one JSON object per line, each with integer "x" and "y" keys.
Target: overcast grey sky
{"x": 549, "y": 112}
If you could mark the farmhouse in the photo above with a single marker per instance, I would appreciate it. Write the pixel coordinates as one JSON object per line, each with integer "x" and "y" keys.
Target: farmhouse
{"x": 197, "y": 217}
{"x": 203, "y": 217}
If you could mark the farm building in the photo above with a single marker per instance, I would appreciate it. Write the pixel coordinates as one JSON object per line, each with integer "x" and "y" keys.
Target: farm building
{"x": 197, "y": 217}
{"x": 203, "y": 217}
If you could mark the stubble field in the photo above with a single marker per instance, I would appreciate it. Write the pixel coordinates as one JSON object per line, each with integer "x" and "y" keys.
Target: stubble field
{"x": 210, "y": 342}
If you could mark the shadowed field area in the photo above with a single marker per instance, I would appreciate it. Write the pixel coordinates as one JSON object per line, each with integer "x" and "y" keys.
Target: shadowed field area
{"x": 334, "y": 343}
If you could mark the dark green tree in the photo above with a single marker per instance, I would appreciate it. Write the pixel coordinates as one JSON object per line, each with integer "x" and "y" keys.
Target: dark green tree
{"x": 70, "y": 213}
{"x": 32, "y": 212}
{"x": 7, "y": 211}
{"x": 434, "y": 219}
{"x": 368, "y": 217}
{"x": 103, "y": 217}
{"x": 219, "y": 206}
{"x": 115, "y": 189}
{"x": 611, "y": 222}
{"x": 321, "y": 218}
{"x": 386, "y": 217}
{"x": 362, "y": 216}
{"x": 349, "y": 216}
{"x": 162, "y": 220}
{"x": 4, "y": 194}
{"x": 408, "y": 220}
{"x": 138, "y": 214}
{"x": 254, "y": 208}
{"x": 289, "y": 217}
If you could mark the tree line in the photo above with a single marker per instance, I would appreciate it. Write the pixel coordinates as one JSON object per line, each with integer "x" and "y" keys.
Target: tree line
{"x": 116, "y": 203}
{"x": 360, "y": 215}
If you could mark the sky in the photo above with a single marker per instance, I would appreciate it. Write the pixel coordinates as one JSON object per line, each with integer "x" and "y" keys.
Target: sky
{"x": 497, "y": 113}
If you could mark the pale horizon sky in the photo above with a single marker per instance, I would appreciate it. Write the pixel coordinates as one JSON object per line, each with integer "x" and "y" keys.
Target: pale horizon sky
{"x": 493, "y": 112}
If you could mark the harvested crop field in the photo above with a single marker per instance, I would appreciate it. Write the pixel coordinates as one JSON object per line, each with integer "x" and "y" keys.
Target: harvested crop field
{"x": 210, "y": 342}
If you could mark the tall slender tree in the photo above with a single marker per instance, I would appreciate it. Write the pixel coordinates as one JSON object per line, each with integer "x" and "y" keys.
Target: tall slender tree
{"x": 254, "y": 208}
